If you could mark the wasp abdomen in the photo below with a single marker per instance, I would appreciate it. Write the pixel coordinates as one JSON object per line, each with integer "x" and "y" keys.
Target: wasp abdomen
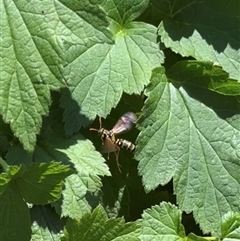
{"x": 125, "y": 144}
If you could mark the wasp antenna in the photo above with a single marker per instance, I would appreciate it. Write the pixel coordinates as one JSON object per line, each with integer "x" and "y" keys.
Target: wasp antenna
{"x": 93, "y": 129}
{"x": 100, "y": 122}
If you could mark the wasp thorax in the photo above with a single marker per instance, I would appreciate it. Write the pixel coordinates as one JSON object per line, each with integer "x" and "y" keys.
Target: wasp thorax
{"x": 105, "y": 133}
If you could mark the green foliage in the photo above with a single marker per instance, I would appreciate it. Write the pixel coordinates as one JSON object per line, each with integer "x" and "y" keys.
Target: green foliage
{"x": 230, "y": 228}
{"x": 97, "y": 226}
{"x": 40, "y": 183}
{"x": 196, "y": 29}
{"x": 185, "y": 129}
{"x": 175, "y": 64}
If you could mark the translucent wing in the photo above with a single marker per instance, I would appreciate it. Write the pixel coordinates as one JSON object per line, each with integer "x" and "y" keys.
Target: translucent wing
{"x": 109, "y": 146}
{"x": 125, "y": 123}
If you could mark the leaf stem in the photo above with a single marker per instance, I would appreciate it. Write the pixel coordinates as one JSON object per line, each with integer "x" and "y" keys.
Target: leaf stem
{"x": 211, "y": 238}
{"x": 3, "y": 164}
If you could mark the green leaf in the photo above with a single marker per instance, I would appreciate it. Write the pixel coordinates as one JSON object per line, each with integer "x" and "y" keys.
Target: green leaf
{"x": 205, "y": 30}
{"x": 42, "y": 183}
{"x": 205, "y": 75}
{"x": 11, "y": 173}
{"x": 39, "y": 183}
{"x": 121, "y": 14}
{"x": 3, "y": 165}
{"x": 193, "y": 237}
{"x": 17, "y": 156}
{"x": 115, "y": 198}
{"x": 162, "y": 223}
{"x": 89, "y": 165}
{"x": 230, "y": 228}
{"x": 185, "y": 140}
{"x": 12, "y": 206}
{"x": 46, "y": 224}
{"x": 87, "y": 27}
{"x": 31, "y": 65}
{"x": 97, "y": 227}
{"x": 99, "y": 76}
{"x": 4, "y": 144}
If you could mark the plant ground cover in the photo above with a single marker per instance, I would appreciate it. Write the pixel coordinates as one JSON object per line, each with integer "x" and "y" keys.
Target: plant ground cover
{"x": 64, "y": 64}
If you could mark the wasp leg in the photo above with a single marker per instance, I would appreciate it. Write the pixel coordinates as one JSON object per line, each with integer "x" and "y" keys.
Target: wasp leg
{"x": 117, "y": 155}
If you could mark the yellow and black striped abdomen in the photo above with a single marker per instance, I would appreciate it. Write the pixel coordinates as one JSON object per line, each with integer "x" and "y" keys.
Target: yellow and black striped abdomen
{"x": 125, "y": 144}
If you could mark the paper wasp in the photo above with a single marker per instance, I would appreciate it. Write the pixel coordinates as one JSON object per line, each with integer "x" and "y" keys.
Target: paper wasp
{"x": 109, "y": 141}
{"x": 125, "y": 144}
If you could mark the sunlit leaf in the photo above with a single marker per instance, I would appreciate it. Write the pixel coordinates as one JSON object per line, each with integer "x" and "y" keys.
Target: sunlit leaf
{"x": 100, "y": 73}
{"x": 205, "y": 30}
{"x": 185, "y": 140}
{"x": 205, "y": 75}
{"x": 97, "y": 226}
{"x": 31, "y": 65}
{"x": 162, "y": 223}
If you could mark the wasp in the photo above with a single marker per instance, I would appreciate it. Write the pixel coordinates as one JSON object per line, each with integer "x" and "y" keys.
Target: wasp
{"x": 125, "y": 144}
{"x": 109, "y": 141}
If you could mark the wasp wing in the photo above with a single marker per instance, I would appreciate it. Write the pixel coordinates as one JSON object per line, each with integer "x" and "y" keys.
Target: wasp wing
{"x": 109, "y": 146}
{"x": 125, "y": 123}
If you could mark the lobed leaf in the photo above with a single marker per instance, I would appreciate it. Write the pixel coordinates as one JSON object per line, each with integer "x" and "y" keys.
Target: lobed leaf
{"x": 81, "y": 156}
{"x": 99, "y": 74}
{"x": 79, "y": 187}
{"x": 230, "y": 227}
{"x": 97, "y": 227}
{"x": 162, "y": 223}
{"x": 42, "y": 183}
{"x": 39, "y": 183}
{"x": 30, "y": 65}
{"x": 205, "y": 30}
{"x": 205, "y": 75}
{"x": 12, "y": 205}
{"x": 185, "y": 140}
{"x": 122, "y": 13}
{"x": 11, "y": 173}
{"x": 46, "y": 224}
